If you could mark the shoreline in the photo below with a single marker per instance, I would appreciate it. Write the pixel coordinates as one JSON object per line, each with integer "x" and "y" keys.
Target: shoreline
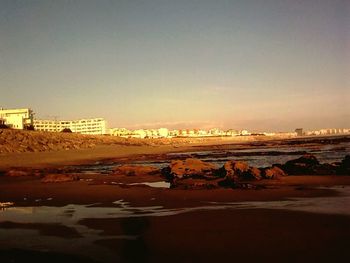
{"x": 105, "y": 152}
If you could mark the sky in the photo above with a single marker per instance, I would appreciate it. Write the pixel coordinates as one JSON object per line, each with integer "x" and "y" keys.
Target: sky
{"x": 244, "y": 64}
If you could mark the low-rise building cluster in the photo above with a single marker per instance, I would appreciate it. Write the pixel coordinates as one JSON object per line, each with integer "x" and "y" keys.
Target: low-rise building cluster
{"x": 327, "y": 132}
{"x": 165, "y": 133}
{"x": 83, "y": 126}
{"x": 23, "y": 118}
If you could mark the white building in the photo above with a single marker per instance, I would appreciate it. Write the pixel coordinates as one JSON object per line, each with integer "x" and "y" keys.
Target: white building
{"x": 16, "y": 118}
{"x": 163, "y": 132}
{"x": 120, "y": 132}
{"x": 83, "y": 126}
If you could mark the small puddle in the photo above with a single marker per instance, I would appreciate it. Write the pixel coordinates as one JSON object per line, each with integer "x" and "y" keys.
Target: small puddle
{"x": 161, "y": 184}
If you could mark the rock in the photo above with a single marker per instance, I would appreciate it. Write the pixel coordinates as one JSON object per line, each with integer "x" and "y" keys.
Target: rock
{"x": 306, "y": 164}
{"x": 273, "y": 172}
{"x": 191, "y": 167}
{"x": 132, "y": 170}
{"x": 18, "y": 173}
{"x": 253, "y": 174}
{"x": 325, "y": 169}
{"x": 193, "y": 184}
{"x": 238, "y": 170}
{"x": 59, "y": 178}
{"x": 344, "y": 167}
{"x": 191, "y": 174}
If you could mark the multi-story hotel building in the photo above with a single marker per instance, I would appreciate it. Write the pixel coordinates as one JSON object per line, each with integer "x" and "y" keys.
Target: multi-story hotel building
{"x": 16, "y": 118}
{"x": 83, "y": 126}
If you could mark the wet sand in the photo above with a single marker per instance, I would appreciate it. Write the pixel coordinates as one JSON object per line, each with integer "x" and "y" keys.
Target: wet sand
{"x": 31, "y": 191}
{"x": 198, "y": 236}
{"x": 227, "y": 236}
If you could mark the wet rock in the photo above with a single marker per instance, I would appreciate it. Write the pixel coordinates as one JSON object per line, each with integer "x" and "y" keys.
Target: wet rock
{"x": 325, "y": 169}
{"x": 18, "y": 173}
{"x": 253, "y": 174}
{"x": 59, "y": 178}
{"x": 228, "y": 182}
{"x": 193, "y": 184}
{"x": 344, "y": 166}
{"x": 305, "y": 165}
{"x": 273, "y": 172}
{"x": 191, "y": 174}
{"x": 191, "y": 167}
{"x": 238, "y": 170}
{"x": 132, "y": 170}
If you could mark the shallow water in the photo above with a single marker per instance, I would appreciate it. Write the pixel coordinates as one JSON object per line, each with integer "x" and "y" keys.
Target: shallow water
{"x": 72, "y": 213}
{"x": 263, "y": 156}
{"x": 258, "y": 156}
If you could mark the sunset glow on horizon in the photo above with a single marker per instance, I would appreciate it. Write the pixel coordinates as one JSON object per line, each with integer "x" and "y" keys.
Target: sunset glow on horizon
{"x": 258, "y": 65}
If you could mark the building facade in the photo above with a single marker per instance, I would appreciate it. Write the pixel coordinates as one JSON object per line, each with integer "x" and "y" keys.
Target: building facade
{"x": 17, "y": 118}
{"x": 84, "y": 126}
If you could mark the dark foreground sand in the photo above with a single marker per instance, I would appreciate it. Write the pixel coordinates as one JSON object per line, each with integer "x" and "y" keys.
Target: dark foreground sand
{"x": 219, "y": 235}
{"x": 247, "y": 235}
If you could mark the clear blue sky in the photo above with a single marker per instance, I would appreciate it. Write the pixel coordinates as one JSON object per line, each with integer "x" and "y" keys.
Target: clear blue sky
{"x": 261, "y": 65}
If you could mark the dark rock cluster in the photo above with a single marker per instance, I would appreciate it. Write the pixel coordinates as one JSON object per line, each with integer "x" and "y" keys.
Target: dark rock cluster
{"x": 134, "y": 170}
{"x": 194, "y": 173}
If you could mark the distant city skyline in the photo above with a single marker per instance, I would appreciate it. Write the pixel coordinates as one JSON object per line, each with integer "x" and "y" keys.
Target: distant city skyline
{"x": 257, "y": 65}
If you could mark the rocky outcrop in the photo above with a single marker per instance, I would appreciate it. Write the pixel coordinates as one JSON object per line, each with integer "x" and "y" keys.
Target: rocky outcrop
{"x": 234, "y": 173}
{"x": 240, "y": 171}
{"x": 303, "y": 165}
{"x": 273, "y": 172}
{"x": 308, "y": 165}
{"x": 191, "y": 167}
{"x": 195, "y": 183}
{"x": 59, "y": 178}
{"x": 19, "y": 172}
{"x": 132, "y": 170}
{"x": 191, "y": 174}
{"x": 344, "y": 166}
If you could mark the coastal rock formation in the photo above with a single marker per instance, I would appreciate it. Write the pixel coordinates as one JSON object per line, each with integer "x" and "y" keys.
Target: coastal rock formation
{"x": 22, "y": 172}
{"x": 303, "y": 165}
{"x": 195, "y": 183}
{"x": 309, "y": 165}
{"x": 236, "y": 172}
{"x": 239, "y": 171}
{"x": 191, "y": 167}
{"x": 191, "y": 174}
{"x": 273, "y": 172}
{"x": 59, "y": 178}
{"x": 344, "y": 166}
{"x": 132, "y": 170}
{"x": 17, "y": 173}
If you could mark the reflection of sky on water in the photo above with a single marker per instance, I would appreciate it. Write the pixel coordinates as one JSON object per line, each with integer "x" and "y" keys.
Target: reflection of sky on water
{"x": 72, "y": 213}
